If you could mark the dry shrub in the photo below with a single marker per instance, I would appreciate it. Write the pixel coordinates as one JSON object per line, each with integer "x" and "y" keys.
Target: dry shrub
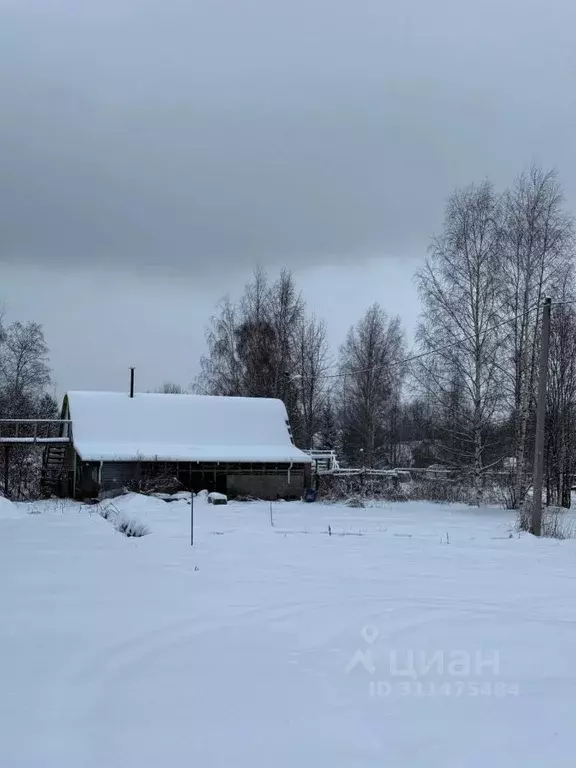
{"x": 132, "y": 528}
{"x": 554, "y": 522}
{"x": 388, "y": 487}
{"x": 150, "y": 484}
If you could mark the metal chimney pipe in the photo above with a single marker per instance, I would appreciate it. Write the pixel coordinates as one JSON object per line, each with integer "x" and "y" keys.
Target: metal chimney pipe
{"x": 131, "y": 382}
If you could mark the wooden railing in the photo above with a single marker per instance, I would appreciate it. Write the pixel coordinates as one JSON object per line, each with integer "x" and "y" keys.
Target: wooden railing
{"x": 324, "y": 460}
{"x": 35, "y": 431}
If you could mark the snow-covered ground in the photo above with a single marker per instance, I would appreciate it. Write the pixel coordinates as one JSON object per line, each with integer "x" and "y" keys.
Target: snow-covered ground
{"x": 411, "y": 635}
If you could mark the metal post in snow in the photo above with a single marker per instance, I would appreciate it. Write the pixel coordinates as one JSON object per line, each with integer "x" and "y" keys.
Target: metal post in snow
{"x": 192, "y": 518}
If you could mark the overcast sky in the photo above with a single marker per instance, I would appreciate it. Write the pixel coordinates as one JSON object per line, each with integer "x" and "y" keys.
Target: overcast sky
{"x": 154, "y": 151}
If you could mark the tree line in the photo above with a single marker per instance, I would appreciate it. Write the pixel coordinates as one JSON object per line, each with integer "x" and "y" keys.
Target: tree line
{"x": 465, "y": 396}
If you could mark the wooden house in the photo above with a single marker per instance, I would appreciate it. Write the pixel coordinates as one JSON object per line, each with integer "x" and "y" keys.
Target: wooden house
{"x": 234, "y": 445}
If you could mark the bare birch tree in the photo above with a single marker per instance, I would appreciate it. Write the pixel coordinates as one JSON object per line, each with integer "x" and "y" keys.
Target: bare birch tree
{"x": 459, "y": 287}
{"x": 537, "y": 259}
{"x": 312, "y": 365}
{"x": 221, "y": 370}
{"x": 24, "y": 379}
{"x": 287, "y": 314}
{"x": 561, "y": 405}
{"x": 371, "y": 376}
{"x": 24, "y": 369}
{"x": 256, "y": 339}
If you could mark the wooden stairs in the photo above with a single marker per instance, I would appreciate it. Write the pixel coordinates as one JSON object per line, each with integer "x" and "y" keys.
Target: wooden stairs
{"x": 57, "y": 471}
{"x": 54, "y": 436}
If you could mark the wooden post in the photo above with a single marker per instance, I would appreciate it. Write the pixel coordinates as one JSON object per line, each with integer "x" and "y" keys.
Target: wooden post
{"x": 536, "y": 525}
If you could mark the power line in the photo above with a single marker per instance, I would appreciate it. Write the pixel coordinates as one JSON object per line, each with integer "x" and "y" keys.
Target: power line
{"x": 436, "y": 350}
{"x": 562, "y": 303}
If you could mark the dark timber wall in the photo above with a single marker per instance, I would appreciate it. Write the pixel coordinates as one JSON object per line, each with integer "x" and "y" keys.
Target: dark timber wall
{"x": 267, "y": 486}
{"x": 118, "y": 474}
{"x": 263, "y": 481}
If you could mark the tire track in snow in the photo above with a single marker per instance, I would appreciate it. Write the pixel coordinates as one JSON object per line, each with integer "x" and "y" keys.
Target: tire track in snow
{"x": 97, "y": 672}
{"x": 94, "y": 674}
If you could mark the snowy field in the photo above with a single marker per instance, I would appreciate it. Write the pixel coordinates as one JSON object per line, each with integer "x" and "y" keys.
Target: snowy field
{"x": 413, "y": 635}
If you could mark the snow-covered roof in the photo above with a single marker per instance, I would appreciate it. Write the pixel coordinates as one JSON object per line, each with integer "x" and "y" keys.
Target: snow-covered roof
{"x": 111, "y": 426}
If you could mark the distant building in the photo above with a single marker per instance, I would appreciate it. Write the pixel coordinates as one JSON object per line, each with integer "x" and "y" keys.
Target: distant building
{"x": 234, "y": 445}
{"x": 510, "y": 463}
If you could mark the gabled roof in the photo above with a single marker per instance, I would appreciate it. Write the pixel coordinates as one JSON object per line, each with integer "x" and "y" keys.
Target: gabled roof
{"x": 112, "y": 426}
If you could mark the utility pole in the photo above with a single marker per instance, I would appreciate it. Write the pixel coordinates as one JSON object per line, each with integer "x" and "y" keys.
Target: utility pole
{"x": 536, "y": 526}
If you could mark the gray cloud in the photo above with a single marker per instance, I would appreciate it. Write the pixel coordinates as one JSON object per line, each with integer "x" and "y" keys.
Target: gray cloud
{"x": 97, "y": 324}
{"x": 192, "y": 136}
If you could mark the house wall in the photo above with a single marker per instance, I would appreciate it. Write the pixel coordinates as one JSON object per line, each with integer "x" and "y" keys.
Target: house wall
{"x": 260, "y": 481}
{"x": 266, "y": 486}
{"x": 118, "y": 474}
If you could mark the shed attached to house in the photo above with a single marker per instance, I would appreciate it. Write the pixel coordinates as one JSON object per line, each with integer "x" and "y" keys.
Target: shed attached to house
{"x": 235, "y": 445}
